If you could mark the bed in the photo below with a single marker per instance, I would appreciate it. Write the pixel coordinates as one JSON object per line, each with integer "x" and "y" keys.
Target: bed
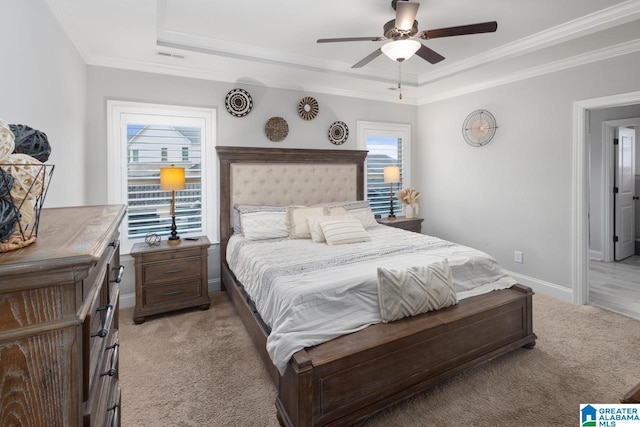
{"x": 350, "y": 377}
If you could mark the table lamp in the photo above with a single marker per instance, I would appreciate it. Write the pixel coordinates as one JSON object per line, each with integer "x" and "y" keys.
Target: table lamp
{"x": 172, "y": 179}
{"x": 391, "y": 175}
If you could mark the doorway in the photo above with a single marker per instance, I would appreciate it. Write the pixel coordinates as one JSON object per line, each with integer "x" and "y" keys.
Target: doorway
{"x": 580, "y": 187}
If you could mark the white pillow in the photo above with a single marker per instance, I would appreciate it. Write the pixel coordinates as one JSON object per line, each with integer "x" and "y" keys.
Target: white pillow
{"x": 263, "y": 225}
{"x": 410, "y": 291}
{"x": 316, "y": 230}
{"x": 359, "y": 208}
{"x": 297, "y": 224}
{"x": 340, "y": 231}
{"x": 365, "y": 215}
{"x": 240, "y": 209}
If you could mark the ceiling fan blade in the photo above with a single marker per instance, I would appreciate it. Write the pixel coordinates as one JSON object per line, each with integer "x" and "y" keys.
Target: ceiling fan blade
{"x": 429, "y": 55}
{"x": 484, "y": 27}
{"x": 406, "y": 15}
{"x": 351, "y": 39}
{"x": 373, "y": 55}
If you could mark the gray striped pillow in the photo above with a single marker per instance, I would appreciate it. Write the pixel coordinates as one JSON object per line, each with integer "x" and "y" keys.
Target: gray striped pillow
{"x": 340, "y": 231}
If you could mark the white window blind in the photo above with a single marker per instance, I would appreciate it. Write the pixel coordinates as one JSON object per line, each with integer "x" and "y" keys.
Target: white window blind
{"x": 383, "y": 151}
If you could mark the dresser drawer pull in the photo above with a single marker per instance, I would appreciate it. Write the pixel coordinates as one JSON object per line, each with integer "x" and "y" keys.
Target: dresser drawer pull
{"x": 103, "y": 332}
{"x": 118, "y": 279}
{"x": 178, "y": 270}
{"x": 114, "y": 420}
{"x": 114, "y": 243}
{"x": 114, "y": 360}
{"x": 167, "y": 294}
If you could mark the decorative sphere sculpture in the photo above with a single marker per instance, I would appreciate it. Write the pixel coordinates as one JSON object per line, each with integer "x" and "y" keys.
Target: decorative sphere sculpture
{"x": 152, "y": 239}
{"x": 7, "y": 141}
{"x": 6, "y": 182}
{"x": 31, "y": 142}
{"x": 8, "y": 218}
{"x": 29, "y": 176}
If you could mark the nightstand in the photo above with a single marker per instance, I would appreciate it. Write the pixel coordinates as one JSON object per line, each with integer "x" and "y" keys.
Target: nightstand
{"x": 170, "y": 277}
{"x": 409, "y": 224}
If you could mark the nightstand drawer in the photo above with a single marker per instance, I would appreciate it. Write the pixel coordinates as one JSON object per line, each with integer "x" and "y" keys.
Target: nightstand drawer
{"x": 170, "y": 255}
{"x": 172, "y": 293}
{"x": 171, "y": 271}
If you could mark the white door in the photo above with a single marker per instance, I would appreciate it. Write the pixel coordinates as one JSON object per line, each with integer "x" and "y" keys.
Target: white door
{"x": 624, "y": 203}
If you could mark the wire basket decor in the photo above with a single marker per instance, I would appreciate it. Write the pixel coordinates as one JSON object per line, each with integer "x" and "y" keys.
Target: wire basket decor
{"x": 23, "y": 188}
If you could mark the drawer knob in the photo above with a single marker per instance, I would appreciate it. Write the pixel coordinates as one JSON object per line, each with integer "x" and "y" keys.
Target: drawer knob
{"x": 114, "y": 360}
{"x": 106, "y": 319}
{"x": 114, "y": 419}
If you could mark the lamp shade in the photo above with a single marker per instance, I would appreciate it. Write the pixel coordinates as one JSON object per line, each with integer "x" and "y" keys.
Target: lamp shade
{"x": 401, "y": 50}
{"x": 172, "y": 178}
{"x": 391, "y": 174}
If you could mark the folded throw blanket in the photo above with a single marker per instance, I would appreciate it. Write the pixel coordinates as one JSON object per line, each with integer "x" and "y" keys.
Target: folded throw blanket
{"x": 414, "y": 290}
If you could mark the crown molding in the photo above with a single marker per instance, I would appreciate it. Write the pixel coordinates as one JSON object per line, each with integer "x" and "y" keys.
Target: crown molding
{"x": 620, "y": 49}
{"x": 190, "y": 72}
{"x": 615, "y": 15}
{"x": 63, "y": 15}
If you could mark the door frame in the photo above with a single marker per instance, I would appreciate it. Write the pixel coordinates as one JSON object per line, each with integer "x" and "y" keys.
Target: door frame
{"x": 609, "y": 166}
{"x": 580, "y": 188}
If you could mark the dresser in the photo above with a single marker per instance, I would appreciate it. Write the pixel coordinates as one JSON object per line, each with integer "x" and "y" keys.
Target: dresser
{"x": 410, "y": 224}
{"x": 170, "y": 277}
{"x": 59, "y": 322}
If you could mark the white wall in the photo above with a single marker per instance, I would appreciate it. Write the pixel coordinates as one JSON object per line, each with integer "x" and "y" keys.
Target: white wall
{"x": 516, "y": 192}
{"x": 43, "y": 85}
{"x": 107, "y": 83}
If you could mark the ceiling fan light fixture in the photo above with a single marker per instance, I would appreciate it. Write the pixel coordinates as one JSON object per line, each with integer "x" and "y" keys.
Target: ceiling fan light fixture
{"x": 401, "y": 50}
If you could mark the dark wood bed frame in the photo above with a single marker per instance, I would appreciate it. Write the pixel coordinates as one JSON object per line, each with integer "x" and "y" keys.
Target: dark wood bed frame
{"x": 349, "y": 378}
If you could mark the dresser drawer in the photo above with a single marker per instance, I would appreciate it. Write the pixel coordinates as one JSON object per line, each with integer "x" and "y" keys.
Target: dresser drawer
{"x": 170, "y": 271}
{"x": 106, "y": 393}
{"x": 172, "y": 293}
{"x": 171, "y": 255}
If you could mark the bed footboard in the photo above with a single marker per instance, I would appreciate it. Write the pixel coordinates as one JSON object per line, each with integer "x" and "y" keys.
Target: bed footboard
{"x": 350, "y": 378}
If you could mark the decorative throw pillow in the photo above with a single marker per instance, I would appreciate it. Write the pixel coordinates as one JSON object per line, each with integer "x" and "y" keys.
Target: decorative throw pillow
{"x": 263, "y": 225}
{"x": 340, "y": 231}
{"x": 359, "y": 208}
{"x": 297, "y": 220}
{"x": 316, "y": 230}
{"x": 409, "y": 291}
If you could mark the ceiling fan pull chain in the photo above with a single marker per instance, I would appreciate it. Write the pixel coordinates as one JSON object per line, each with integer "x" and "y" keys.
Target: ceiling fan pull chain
{"x": 400, "y": 78}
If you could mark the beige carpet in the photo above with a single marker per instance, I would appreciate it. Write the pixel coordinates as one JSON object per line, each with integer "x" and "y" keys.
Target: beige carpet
{"x": 199, "y": 368}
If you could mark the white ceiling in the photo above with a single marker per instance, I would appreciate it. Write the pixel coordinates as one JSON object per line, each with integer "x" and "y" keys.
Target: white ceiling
{"x": 273, "y": 43}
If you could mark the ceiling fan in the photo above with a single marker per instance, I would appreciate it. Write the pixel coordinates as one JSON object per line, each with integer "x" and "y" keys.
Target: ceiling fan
{"x": 403, "y": 35}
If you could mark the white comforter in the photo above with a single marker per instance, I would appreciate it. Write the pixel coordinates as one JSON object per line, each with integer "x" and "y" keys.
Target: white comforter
{"x": 309, "y": 293}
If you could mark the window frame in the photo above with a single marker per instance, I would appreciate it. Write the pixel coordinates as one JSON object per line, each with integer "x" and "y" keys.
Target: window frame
{"x": 117, "y": 159}
{"x": 367, "y": 129}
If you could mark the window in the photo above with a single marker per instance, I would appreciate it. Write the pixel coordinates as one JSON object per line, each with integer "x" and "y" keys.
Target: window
{"x": 142, "y": 139}
{"x": 389, "y": 145}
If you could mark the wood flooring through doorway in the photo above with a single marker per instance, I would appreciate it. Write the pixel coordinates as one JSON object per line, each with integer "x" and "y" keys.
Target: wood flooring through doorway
{"x": 615, "y": 286}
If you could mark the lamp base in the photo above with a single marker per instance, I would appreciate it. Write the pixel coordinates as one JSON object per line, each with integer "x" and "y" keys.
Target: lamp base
{"x": 172, "y": 242}
{"x": 391, "y": 218}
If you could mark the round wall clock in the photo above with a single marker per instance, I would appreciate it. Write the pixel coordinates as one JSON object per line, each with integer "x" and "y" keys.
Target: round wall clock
{"x": 338, "y": 133}
{"x": 479, "y": 128}
{"x": 238, "y": 102}
{"x": 308, "y": 108}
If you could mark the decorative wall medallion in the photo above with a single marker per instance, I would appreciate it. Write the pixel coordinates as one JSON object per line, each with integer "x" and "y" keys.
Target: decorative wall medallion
{"x": 238, "y": 102}
{"x": 338, "y": 133}
{"x": 276, "y": 129}
{"x": 308, "y": 108}
{"x": 479, "y": 128}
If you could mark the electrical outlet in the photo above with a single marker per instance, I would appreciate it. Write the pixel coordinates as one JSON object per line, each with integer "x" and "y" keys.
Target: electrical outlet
{"x": 517, "y": 257}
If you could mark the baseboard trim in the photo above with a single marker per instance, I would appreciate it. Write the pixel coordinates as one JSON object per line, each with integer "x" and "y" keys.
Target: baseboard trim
{"x": 129, "y": 300}
{"x": 543, "y": 287}
{"x": 596, "y": 255}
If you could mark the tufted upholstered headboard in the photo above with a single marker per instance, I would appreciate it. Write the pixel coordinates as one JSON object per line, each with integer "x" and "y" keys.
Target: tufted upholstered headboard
{"x": 285, "y": 176}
